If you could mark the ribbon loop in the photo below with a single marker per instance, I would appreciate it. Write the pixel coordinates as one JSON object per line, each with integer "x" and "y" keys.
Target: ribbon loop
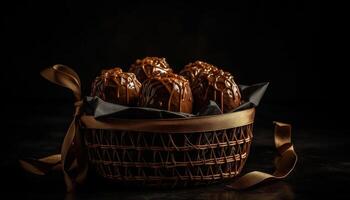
{"x": 65, "y": 77}
{"x": 284, "y": 163}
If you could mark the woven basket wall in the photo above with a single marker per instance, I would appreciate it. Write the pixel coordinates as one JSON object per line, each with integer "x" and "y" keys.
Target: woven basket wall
{"x": 168, "y": 159}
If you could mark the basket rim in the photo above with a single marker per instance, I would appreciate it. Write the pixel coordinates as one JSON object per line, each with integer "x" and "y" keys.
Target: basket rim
{"x": 174, "y": 125}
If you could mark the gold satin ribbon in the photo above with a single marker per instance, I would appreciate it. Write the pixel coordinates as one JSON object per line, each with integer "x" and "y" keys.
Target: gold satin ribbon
{"x": 73, "y": 161}
{"x": 176, "y": 125}
{"x": 284, "y": 162}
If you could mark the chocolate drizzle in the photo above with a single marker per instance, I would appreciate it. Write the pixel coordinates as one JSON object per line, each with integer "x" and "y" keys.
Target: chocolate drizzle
{"x": 150, "y": 67}
{"x": 169, "y": 92}
{"x": 193, "y": 70}
{"x": 116, "y": 86}
{"x": 218, "y": 86}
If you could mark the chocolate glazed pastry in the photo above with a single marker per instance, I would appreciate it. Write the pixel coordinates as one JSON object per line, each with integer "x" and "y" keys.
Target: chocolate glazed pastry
{"x": 116, "y": 86}
{"x": 149, "y": 67}
{"x": 218, "y": 86}
{"x": 169, "y": 92}
{"x": 192, "y": 70}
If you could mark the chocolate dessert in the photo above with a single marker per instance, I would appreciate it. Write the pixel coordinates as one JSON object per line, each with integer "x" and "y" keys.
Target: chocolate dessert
{"x": 218, "y": 86}
{"x": 193, "y": 70}
{"x": 116, "y": 86}
{"x": 150, "y": 67}
{"x": 168, "y": 92}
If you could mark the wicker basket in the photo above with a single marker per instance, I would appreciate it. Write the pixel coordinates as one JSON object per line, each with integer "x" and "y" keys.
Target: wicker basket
{"x": 169, "y": 152}
{"x": 159, "y": 152}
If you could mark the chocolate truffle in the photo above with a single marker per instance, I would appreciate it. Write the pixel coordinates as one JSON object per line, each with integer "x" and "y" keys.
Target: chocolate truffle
{"x": 116, "y": 86}
{"x": 192, "y": 70}
{"x": 218, "y": 86}
{"x": 149, "y": 67}
{"x": 168, "y": 92}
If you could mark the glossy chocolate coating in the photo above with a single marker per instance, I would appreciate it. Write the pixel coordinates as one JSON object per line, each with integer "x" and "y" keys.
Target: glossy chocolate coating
{"x": 169, "y": 92}
{"x": 149, "y": 67}
{"x": 193, "y": 70}
{"x": 116, "y": 86}
{"x": 218, "y": 86}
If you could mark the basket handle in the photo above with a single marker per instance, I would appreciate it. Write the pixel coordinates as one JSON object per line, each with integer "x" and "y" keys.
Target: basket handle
{"x": 72, "y": 157}
{"x": 284, "y": 162}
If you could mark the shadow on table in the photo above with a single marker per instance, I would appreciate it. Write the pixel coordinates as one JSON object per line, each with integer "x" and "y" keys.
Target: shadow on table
{"x": 268, "y": 191}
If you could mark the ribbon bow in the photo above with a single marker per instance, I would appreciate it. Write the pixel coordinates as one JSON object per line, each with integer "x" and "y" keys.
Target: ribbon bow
{"x": 72, "y": 159}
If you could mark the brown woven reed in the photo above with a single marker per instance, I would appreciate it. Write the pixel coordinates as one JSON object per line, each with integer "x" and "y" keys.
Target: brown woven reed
{"x": 167, "y": 158}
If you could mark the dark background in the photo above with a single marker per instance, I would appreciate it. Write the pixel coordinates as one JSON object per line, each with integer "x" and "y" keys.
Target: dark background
{"x": 257, "y": 41}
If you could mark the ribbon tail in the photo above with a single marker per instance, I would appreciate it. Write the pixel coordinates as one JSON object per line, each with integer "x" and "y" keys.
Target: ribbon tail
{"x": 82, "y": 159}
{"x": 42, "y": 166}
{"x": 73, "y": 157}
{"x": 285, "y": 163}
{"x": 53, "y": 159}
{"x": 72, "y": 160}
{"x": 66, "y": 147}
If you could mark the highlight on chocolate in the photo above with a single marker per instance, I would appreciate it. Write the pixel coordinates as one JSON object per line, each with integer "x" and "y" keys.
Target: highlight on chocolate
{"x": 151, "y": 82}
{"x": 116, "y": 86}
{"x": 150, "y": 67}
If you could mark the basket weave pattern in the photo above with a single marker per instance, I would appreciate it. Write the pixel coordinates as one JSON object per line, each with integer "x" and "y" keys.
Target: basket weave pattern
{"x": 168, "y": 159}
